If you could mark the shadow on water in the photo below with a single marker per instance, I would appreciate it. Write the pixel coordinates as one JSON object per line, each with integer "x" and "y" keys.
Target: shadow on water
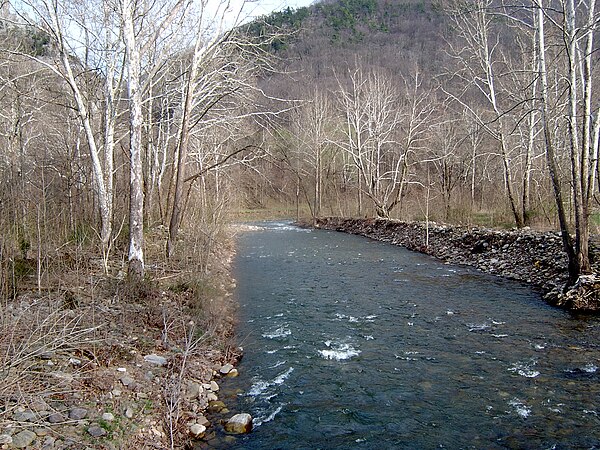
{"x": 352, "y": 343}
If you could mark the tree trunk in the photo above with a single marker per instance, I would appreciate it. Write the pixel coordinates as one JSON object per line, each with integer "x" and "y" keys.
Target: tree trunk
{"x": 136, "y": 184}
{"x": 573, "y": 267}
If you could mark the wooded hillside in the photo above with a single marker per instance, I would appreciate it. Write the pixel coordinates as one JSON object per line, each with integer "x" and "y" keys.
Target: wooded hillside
{"x": 133, "y": 117}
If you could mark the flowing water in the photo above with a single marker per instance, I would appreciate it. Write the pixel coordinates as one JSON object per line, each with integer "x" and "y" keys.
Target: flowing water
{"x": 353, "y": 343}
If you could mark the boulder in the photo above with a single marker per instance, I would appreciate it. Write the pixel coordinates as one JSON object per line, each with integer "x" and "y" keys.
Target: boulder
{"x": 239, "y": 424}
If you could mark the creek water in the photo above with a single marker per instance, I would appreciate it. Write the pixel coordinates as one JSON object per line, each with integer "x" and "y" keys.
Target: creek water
{"x": 353, "y": 343}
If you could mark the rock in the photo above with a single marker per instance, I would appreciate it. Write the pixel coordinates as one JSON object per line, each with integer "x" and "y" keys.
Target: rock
{"x": 109, "y": 417}
{"x": 39, "y": 405}
{"x": 49, "y": 443}
{"x": 212, "y": 397}
{"x": 128, "y": 382}
{"x": 78, "y": 413}
{"x": 224, "y": 370}
{"x": 96, "y": 430}
{"x": 216, "y": 406}
{"x": 129, "y": 412}
{"x": 40, "y": 432}
{"x": 202, "y": 420}
{"x": 233, "y": 373}
{"x": 197, "y": 431}
{"x": 192, "y": 391}
{"x": 155, "y": 359}
{"x": 5, "y": 439}
{"x": 239, "y": 424}
{"x": 24, "y": 416}
{"x": 214, "y": 386}
{"x": 56, "y": 418}
{"x": 23, "y": 439}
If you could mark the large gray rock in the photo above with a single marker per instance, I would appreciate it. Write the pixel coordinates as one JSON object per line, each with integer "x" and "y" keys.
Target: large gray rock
{"x": 56, "y": 418}
{"x": 96, "y": 430}
{"x": 24, "y": 416}
{"x": 23, "y": 439}
{"x": 78, "y": 413}
{"x": 239, "y": 424}
{"x": 155, "y": 359}
{"x": 193, "y": 390}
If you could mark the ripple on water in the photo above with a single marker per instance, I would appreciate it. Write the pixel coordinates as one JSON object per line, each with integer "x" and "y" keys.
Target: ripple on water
{"x": 339, "y": 351}
{"x": 280, "y": 332}
{"x": 520, "y": 408}
{"x": 261, "y": 387}
{"x": 525, "y": 369}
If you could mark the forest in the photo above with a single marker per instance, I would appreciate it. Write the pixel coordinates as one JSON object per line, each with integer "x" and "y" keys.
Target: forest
{"x": 462, "y": 112}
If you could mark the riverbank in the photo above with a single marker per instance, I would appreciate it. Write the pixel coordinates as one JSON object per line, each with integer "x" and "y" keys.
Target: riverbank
{"x": 94, "y": 361}
{"x": 524, "y": 255}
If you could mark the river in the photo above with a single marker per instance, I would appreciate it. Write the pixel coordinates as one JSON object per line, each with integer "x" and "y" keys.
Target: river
{"x": 353, "y": 343}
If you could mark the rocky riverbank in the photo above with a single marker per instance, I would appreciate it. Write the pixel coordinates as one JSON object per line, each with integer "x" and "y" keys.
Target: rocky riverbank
{"x": 100, "y": 363}
{"x": 525, "y": 255}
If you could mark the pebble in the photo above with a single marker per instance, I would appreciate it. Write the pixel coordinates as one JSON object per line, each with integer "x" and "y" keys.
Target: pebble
{"x": 202, "y": 420}
{"x": 129, "y": 412}
{"x": 233, "y": 373}
{"x": 49, "y": 443}
{"x": 155, "y": 359}
{"x": 224, "y": 370}
{"x": 24, "y": 416}
{"x": 128, "y": 382}
{"x": 39, "y": 405}
{"x": 5, "y": 439}
{"x": 197, "y": 431}
{"x": 78, "y": 413}
{"x": 96, "y": 430}
{"x": 23, "y": 439}
{"x": 214, "y": 386}
{"x": 109, "y": 417}
{"x": 216, "y": 406}
{"x": 193, "y": 390}
{"x": 56, "y": 418}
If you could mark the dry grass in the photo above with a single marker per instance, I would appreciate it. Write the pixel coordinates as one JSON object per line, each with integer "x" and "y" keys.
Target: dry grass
{"x": 62, "y": 340}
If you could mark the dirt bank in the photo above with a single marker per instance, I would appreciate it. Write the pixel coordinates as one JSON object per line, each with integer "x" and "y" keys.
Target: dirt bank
{"x": 525, "y": 255}
{"x": 97, "y": 362}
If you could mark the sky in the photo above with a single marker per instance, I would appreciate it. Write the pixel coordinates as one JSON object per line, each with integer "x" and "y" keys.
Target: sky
{"x": 262, "y": 7}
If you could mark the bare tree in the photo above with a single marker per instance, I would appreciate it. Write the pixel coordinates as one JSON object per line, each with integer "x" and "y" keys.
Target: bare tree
{"x": 384, "y": 128}
{"x": 61, "y": 22}
{"x": 481, "y": 64}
